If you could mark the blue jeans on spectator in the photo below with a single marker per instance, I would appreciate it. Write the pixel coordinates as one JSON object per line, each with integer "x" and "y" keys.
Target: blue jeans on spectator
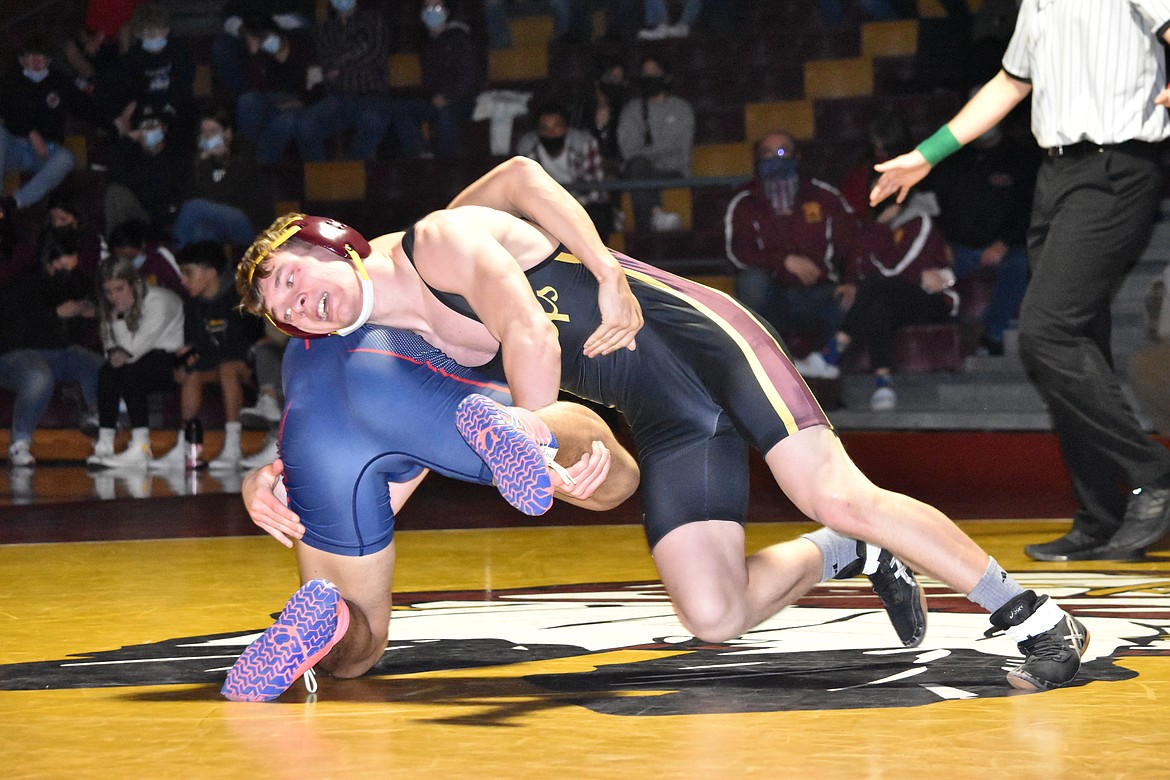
{"x": 32, "y": 374}
{"x": 572, "y": 21}
{"x": 205, "y": 220}
{"x": 1011, "y": 281}
{"x": 833, "y": 13}
{"x": 813, "y": 311}
{"x": 17, "y": 154}
{"x": 228, "y": 54}
{"x": 267, "y": 126}
{"x": 655, "y": 12}
{"x": 368, "y": 115}
{"x": 409, "y": 114}
{"x": 495, "y": 22}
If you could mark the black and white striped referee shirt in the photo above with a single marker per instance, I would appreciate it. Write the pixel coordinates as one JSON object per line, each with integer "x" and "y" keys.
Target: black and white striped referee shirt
{"x": 1095, "y": 67}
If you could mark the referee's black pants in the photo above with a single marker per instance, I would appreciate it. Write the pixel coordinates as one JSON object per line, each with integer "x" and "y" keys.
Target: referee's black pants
{"x": 1091, "y": 220}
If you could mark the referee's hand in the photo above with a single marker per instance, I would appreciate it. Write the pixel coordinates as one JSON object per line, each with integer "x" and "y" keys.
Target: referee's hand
{"x": 1163, "y": 98}
{"x": 898, "y": 175}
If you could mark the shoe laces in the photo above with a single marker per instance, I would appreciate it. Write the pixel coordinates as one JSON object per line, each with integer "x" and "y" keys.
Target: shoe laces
{"x": 885, "y": 580}
{"x": 549, "y": 451}
{"x": 1054, "y": 644}
{"x": 310, "y": 678}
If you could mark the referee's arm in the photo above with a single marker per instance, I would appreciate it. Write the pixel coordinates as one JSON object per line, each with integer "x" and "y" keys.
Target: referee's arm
{"x": 988, "y": 107}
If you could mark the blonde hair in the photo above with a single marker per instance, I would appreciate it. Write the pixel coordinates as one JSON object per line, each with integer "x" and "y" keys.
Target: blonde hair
{"x": 117, "y": 268}
{"x": 252, "y": 268}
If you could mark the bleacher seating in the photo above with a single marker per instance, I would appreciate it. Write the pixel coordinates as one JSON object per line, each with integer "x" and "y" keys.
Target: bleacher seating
{"x": 780, "y": 69}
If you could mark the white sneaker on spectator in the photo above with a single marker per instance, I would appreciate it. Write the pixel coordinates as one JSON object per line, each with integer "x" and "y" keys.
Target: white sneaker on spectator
{"x": 814, "y": 366}
{"x": 228, "y": 460}
{"x": 266, "y": 455}
{"x": 19, "y": 455}
{"x": 174, "y": 460}
{"x": 102, "y": 451}
{"x": 136, "y": 455}
{"x": 264, "y": 414}
{"x": 655, "y": 33}
{"x": 679, "y": 30}
{"x": 884, "y": 399}
{"x": 664, "y": 221}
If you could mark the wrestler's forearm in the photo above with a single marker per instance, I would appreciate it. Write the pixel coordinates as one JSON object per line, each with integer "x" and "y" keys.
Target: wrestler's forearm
{"x": 532, "y": 366}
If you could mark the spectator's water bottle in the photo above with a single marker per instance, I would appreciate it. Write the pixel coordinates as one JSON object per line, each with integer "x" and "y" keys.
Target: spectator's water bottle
{"x": 193, "y": 434}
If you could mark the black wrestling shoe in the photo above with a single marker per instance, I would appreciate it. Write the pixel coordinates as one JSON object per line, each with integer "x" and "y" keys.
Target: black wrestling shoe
{"x": 1147, "y": 520}
{"x": 1073, "y": 546}
{"x": 896, "y": 586}
{"x": 1051, "y": 641}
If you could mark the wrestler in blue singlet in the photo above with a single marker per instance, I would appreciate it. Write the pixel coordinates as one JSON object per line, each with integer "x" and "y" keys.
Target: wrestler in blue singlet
{"x": 707, "y": 376}
{"x": 362, "y": 410}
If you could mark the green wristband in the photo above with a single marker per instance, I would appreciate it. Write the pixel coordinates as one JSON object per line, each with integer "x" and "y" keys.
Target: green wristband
{"x": 939, "y": 146}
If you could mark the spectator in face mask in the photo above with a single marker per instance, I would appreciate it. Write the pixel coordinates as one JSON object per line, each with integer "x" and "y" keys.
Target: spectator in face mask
{"x": 985, "y": 196}
{"x": 229, "y": 50}
{"x": 225, "y": 200}
{"x": 353, "y": 45}
{"x": 656, "y": 135}
{"x": 280, "y": 85}
{"x": 34, "y": 103}
{"x": 452, "y": 70}
{"x": 793, "y": 238}
{"x": 156, "y": 71}
{"x": 571, "y": 156}
{"x": 600, "y": 111}
{"x": 142, "y": 176}
{"x": 153, "y": 260}
{"x": 46, "y": 307}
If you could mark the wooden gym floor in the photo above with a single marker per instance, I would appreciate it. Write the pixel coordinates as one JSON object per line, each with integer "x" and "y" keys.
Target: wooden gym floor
{"x": 545, "y": 649}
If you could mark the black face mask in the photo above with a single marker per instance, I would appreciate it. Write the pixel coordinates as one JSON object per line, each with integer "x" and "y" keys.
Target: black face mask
{"x": 653, "y": 85}
{"x": 553, "y": 146}
{"x": 614, "y": 93}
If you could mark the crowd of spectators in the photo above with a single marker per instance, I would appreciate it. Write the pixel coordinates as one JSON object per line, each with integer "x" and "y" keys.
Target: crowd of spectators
{"x": 184, "y": 191}
{"x": 835, "y": 275}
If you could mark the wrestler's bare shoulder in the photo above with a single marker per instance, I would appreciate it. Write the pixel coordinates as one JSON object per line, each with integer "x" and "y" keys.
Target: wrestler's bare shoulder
{"x": 387, "y": 243}
{"x": 526, "y": 241}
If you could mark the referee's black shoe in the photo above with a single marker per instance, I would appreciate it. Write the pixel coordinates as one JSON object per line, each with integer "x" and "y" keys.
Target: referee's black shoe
{"x": 896, "y": 586}
{"x": 1147, "y": 520}
{"x": 1076, "y": 545}
{"x": 1051, "y": 641}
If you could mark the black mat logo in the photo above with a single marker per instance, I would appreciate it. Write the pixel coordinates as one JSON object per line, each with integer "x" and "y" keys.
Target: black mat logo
{"x": 835, "y": 650}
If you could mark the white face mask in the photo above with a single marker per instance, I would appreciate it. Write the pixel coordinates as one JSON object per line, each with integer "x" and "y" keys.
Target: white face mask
{"x": 343, "y": 6}
{"x": 154, "y": 45}
{"x": 434, "y": 16}
{"x": 271, "y": 43}
{"x": 211, "y": 142}
{"x": 36, "y": 76}
{"x": 152, "y": 138}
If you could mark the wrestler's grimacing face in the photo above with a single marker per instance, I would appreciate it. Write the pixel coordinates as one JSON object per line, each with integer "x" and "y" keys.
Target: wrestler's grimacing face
{"x": 314, "y": 295}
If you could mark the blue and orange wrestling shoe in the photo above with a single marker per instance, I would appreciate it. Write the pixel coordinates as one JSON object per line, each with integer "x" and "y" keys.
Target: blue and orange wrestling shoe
{"x": 313, "y": 621}
{"x": 518, "y": 464}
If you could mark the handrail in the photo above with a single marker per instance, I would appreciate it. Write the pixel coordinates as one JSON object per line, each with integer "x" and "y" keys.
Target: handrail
{"x": 659, "y": 184}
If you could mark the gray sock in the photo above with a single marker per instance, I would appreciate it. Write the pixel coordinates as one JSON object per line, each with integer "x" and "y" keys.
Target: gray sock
{"x": 837, "y": 551}
{"x": 995, "y": 588}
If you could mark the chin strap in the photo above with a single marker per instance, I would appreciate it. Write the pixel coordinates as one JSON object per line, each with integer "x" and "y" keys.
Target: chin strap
{"x": 367, "y": 308}
{"x": 367, "y": 287}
